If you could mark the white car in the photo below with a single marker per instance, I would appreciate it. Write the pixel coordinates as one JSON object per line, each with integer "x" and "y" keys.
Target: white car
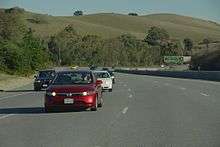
{"x": 106, "y": 79}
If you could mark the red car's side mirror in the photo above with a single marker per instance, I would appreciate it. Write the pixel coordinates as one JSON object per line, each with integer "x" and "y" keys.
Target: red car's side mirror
{"x": 98, "y": 82}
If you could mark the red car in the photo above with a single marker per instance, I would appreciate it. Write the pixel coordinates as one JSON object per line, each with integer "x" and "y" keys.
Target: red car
{"x": 74, "y": 90}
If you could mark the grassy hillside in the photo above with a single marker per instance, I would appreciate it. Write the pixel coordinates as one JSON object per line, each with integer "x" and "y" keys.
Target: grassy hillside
{"x": 110, "y": 25}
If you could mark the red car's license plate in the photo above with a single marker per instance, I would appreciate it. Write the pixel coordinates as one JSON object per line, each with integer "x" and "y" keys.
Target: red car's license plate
{"x": 68, "y": 101}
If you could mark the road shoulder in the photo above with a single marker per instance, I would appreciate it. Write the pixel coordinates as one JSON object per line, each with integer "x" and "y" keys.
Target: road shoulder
{"x": 8, "y": 82}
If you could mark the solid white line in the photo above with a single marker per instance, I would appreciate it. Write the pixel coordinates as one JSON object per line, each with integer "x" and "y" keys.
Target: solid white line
{"x": 14, "y": 95}
{"x": 125, "y": 110}
{"x": 204, "y": 94}
{"x": 6, "y": 116}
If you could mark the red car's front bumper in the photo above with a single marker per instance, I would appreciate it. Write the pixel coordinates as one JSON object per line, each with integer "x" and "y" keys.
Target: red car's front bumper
{"x": 80, "y": 102}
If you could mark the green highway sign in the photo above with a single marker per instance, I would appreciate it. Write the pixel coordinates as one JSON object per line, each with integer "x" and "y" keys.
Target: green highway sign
{"x": 173, "y": 59}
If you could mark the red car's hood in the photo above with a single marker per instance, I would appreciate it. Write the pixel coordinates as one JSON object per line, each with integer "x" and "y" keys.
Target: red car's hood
{"x": 71, "y": 88}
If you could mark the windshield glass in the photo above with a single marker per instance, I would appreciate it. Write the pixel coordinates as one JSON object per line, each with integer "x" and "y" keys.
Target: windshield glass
{"x": 46, "y": 74}
{"x": 102, "y": 75}
{"x": 71, "y": 78}
{"x": 111, "y": 73}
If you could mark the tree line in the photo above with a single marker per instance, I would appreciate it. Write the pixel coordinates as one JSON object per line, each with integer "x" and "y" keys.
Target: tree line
{"x": 124, "y": 50}
{"x": 21, "y": 52}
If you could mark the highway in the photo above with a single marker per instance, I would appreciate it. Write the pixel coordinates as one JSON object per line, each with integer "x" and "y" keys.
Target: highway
{"x": 142, "y": 111}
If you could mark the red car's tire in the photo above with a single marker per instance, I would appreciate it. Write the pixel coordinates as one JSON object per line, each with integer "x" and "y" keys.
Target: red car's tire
{"x": 101, "y": 103}
{"x": 47, "y": 110}
{"x": 96, "y": 105}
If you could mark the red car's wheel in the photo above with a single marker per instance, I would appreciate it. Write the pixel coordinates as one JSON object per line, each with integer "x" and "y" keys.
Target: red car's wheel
{"x": 47, "y": 109}
{"x": 101, "y": 103}
{"x": 94, "y": 108}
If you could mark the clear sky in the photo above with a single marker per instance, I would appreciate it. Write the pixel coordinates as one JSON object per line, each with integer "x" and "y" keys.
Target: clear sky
{"x": 206, "y": 9}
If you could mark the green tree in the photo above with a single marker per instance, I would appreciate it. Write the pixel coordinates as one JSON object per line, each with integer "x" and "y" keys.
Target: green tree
{"x": 206, "y": 41}
{"x": 133, "y": 14}
{"x": 78, "y": 13}
{"x": 37, "y": 55}
{"x": 188, "y": 45}
{"x": 67, "y": 42}
{"x": 53, "y": 48}
{"x": 171, "y": 48}
{"x": 156, "y": 35}
{"x": 11, "y": 26}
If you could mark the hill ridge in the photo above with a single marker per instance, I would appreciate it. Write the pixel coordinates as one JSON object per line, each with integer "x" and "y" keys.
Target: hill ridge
{"x": 109, "y": 25}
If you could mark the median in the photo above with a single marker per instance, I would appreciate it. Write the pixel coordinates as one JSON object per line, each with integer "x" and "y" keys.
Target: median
{"x": 201, "y": 75}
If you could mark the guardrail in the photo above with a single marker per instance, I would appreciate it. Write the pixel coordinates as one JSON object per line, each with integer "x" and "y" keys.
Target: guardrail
{"x": 202, "y": 75}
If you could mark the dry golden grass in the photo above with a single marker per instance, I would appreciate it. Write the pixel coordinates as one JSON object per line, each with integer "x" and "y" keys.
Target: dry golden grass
{"x": 110, "y": 25}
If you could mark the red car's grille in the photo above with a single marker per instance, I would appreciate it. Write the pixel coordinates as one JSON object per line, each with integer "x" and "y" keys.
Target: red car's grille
{"x": 69, "y": 94}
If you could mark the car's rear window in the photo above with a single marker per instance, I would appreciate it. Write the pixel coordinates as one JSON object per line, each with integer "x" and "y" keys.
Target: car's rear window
{"x": 71, "y": 78}
{"x": 102, "y": 75}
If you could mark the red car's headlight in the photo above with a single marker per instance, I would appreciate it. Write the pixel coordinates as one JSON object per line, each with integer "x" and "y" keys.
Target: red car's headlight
{"x": 88, "y": 93}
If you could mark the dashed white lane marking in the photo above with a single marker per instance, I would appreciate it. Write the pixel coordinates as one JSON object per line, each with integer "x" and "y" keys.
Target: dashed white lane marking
{"x": 14, "y": 95}
{"x": 130, "y": 96}
{"x": 125, "y": 110}
{"x": 167, "y": 84}
{"x": 182, "y": 88}
{"x": 204, "y": 94}
{"x": 156, "y": 82}
{"x": 6, "y": 116}
{"x": 129, "y": 89}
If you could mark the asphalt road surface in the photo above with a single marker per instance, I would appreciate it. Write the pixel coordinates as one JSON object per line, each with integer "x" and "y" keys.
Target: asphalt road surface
{"x": 142, "y": 111}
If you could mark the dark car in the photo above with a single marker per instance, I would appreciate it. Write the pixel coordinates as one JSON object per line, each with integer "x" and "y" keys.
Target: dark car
{"x": 93, "y": 67}
{"x": 43, "y": 79}
{"x": 105, "y": 68}
{"x": 74, "y": 90}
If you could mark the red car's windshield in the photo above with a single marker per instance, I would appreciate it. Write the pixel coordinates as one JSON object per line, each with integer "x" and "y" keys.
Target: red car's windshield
{"x": 71, "y": 78}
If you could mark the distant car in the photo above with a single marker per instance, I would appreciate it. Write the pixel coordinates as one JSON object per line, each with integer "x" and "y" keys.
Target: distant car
{"x": 43, "y": 79}
{"x": 93, "y": 67}
{"x": 105, "y": 68}
{"x": 110, "y": 72}
{"x": 106, "y": 79}
{"x": 74, "y": 90}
